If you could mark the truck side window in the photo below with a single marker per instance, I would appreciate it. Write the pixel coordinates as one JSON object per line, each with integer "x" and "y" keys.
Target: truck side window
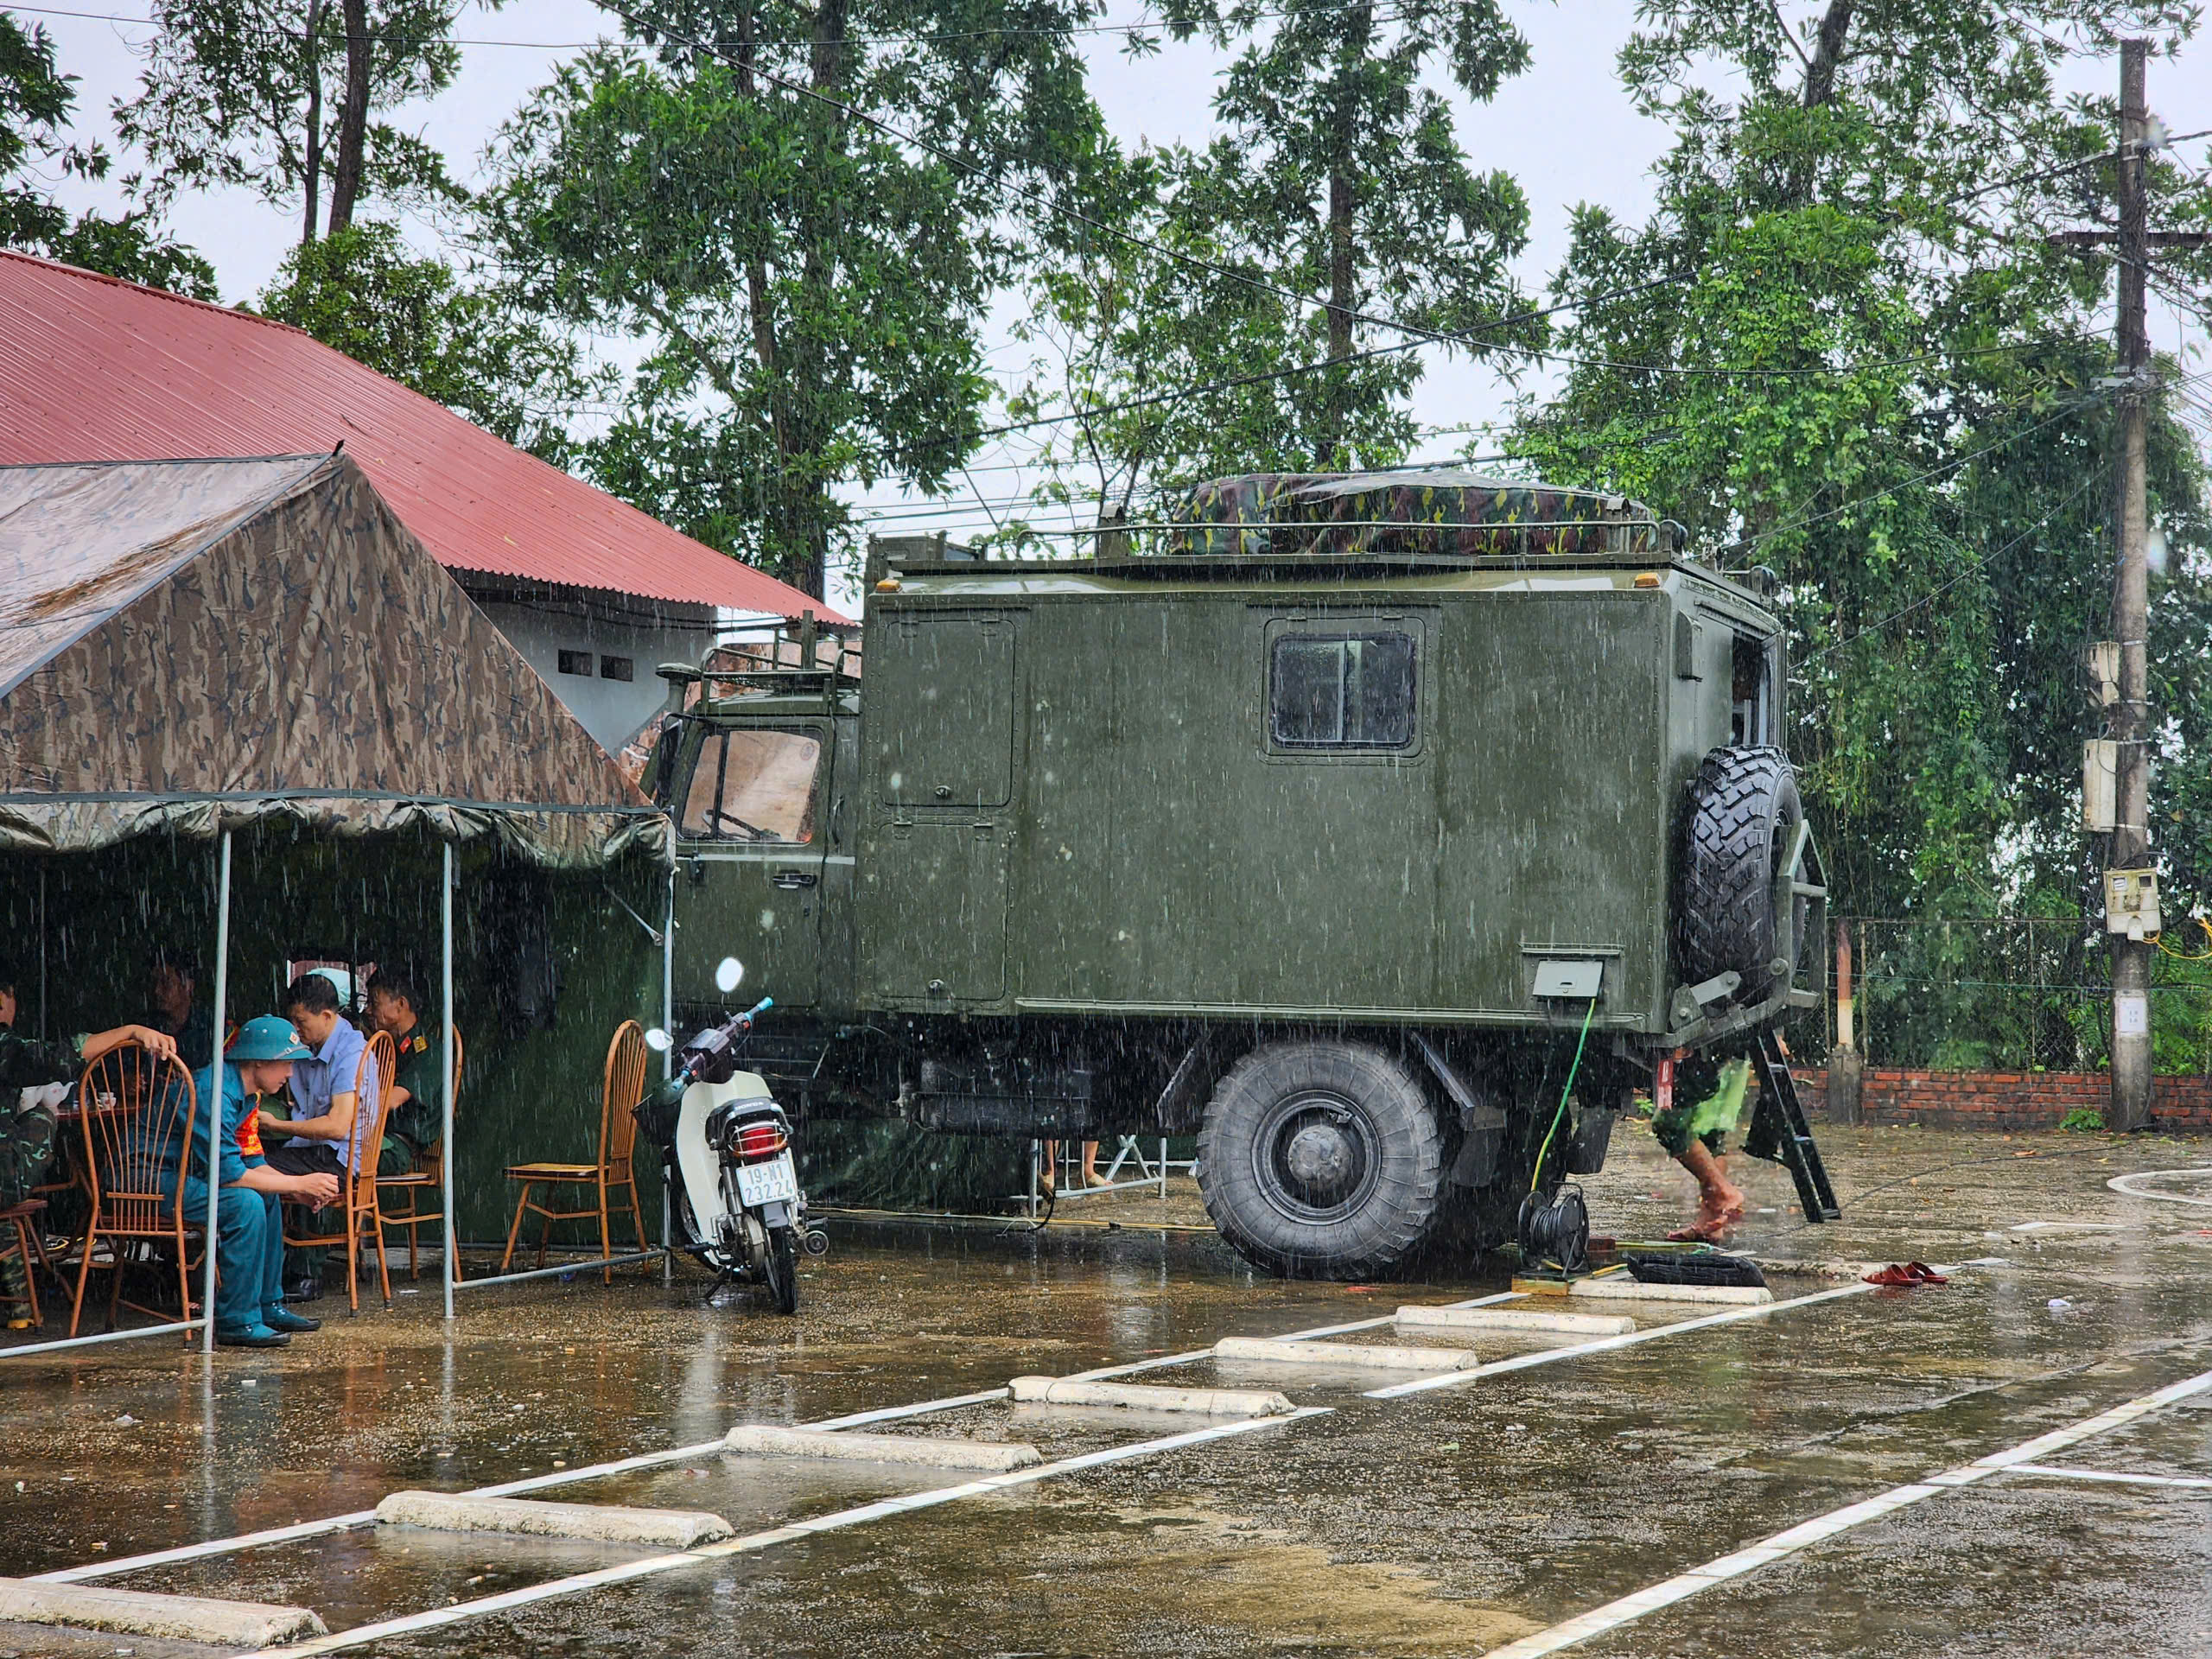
{"x": 1750, "y": 694}
{"x": 753, "y": 785}
{"x": 1342, "y": 690}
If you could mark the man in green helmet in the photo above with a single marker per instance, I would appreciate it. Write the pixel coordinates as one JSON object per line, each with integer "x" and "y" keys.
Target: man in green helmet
{"x": 250, "y": 1311}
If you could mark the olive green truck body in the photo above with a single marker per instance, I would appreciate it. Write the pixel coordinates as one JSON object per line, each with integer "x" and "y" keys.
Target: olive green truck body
{"x": 1089, "y": 833}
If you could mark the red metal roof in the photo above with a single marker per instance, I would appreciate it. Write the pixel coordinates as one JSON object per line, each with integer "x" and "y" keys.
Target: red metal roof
{"x": 93, "y": 368}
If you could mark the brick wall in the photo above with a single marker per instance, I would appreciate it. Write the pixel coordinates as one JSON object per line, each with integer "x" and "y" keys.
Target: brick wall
{"x": 2008, "y": 1100}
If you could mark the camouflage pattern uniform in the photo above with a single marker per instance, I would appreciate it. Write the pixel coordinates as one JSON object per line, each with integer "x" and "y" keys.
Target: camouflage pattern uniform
{"x": 1445, "y": 511}
{"x": 26, "y": 1133}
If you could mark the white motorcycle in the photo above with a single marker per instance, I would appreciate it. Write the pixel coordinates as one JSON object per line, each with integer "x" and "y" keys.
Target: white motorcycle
{"x": 738, "y": 1208}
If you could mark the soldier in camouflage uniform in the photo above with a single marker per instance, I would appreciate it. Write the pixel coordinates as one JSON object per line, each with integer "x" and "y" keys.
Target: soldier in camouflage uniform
{"x": 27, "y": 1122}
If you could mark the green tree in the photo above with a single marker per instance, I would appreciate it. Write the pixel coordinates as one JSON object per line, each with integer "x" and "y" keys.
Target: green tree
{"x": 35, "y": 101}
{"x": 1874, "y": 374}
{"x": 362, "y": 291}
{"x": 803, "y": 224}
{"x": 1339, "y": 172}
{"x": 278, "y": 97}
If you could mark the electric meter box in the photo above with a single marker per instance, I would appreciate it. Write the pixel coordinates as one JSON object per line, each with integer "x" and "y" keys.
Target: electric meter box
{"x": 2131, "y": 903}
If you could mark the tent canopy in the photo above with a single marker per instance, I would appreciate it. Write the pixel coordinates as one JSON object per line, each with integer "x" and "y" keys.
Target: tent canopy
{"x": 192, "y": 646}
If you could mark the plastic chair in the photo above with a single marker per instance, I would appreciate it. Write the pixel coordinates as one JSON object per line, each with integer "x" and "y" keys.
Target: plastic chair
{"x": 136, "y": 1112}
{"x": 357, "y": 1188}
{"x": 621, "y": 1088}
{"x": 428, "y": 1177}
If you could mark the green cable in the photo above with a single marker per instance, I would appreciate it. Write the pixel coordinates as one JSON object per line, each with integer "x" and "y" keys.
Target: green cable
{"x": 1560, "y": 1116}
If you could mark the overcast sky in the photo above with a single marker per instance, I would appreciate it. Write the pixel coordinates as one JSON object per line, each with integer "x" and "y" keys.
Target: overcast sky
{"x": 1565, "y": 129}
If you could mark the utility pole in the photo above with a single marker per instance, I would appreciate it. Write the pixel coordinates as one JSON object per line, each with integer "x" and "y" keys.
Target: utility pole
{"x": 2127, "y": 720}
{"x": 2116, "y": 769}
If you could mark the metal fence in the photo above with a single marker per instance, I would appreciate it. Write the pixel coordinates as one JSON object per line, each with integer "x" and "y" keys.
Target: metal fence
{"x": 2008, "y": 994}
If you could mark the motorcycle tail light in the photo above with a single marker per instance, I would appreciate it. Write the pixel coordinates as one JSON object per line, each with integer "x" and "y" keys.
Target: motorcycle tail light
{"x": 760, "y": 1140}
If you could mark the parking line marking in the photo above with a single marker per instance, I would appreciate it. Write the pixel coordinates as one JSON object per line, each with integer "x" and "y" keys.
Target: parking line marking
{"x": 752, "y": 1543}
{"x": 1608, "y": 1344}
{"x": 1193, "y": 1356}
{"x": 2110, "y": 1476}
{"x": 2012, "y": 1460}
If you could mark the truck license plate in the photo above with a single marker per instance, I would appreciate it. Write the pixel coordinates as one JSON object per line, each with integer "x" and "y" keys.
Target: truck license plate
{"x": 767, "y": 1182}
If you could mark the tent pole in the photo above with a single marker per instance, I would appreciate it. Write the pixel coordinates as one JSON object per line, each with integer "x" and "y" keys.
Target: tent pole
{"x": 445, "y": 1128}
{"x": 668, "y": 1055}
{"x": 214, "y": 1106}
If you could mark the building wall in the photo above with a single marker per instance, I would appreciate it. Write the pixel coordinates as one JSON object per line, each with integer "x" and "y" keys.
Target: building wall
{"x": 558, "y": 633}
{"x": 2009, "y": 1100}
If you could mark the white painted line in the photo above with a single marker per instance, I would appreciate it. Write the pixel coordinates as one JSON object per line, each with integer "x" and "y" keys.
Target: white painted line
{"x": 1191, "y": 1356}
{"x": 629, "y": 1465}
{"x": 2127, "y": 1184}
{"x": 698, "y": 1453}
{"x": 2113, "y": 1476}
{"x": 1609, "y": 1344}
{"x": 1628, "y": 1608}
{"x": 361, "y": 1636}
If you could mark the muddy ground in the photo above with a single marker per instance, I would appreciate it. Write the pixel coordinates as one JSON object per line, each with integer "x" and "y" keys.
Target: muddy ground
{"x": 1450, "y": 1522}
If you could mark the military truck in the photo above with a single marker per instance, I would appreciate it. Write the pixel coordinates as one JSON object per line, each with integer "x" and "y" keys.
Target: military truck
{"x": 1340, "y": 820}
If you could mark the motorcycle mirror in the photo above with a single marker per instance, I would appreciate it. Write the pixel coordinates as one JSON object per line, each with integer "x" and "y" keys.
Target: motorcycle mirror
{"x": 729, "y": 974}
{"x": 658, "y": 1040}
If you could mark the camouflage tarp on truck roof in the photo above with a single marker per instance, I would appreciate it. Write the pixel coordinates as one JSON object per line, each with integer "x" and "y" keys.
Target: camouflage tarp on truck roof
{"x": 1442, "y": 509}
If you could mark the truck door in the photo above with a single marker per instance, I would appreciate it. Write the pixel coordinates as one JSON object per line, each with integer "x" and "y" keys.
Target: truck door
{"x": 751, "y": 838}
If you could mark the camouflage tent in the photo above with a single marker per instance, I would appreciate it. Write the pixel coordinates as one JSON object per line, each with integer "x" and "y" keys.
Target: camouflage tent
{"x": 1441, "y": 510}
{"x": 195, "y": 645}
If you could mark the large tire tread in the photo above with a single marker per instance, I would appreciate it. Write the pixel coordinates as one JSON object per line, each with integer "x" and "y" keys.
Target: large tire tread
{"x": 1397, "y": 1214}
{"x": 1724, "y": 909}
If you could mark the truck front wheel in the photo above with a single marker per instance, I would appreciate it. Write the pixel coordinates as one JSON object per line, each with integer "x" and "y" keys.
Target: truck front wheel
{"x": 1321, "y": 1159}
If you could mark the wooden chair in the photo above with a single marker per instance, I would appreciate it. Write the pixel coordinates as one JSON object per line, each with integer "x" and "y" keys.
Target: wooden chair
{"x": 136, "y": 1111}
{"x": 427, "y": 1178}
{"x": 357, "y": 1189}
{"x": 23, "y": 1238}
{"x": 621, "y": 1087}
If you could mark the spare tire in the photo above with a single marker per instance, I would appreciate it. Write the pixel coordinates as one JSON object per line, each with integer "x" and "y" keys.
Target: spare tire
{"x": 1736, "y": 825}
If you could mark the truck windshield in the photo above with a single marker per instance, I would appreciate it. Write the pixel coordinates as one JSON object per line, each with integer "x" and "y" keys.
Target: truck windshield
{"x": 752, "y": 786}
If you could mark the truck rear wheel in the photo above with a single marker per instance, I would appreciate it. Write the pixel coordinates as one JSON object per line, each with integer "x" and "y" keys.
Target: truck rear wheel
{"x": 1321, "y": 1159}
{"x": 1736, "y": 826}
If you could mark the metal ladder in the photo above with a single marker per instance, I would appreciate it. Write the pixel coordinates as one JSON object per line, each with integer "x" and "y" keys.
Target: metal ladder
{"x": 1780, "y": 1135}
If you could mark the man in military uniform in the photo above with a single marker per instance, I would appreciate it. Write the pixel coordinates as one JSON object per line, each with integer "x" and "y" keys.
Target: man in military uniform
{"x": 171, "y": 983}
{"x": 26, "y": 1115}
{"x": 416, "y": 1117}
{"x": 250, "y": 1311}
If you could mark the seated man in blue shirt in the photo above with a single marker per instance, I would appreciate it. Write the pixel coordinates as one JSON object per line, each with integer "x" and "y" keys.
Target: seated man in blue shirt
{"x": 326, "y": 1127}
{"x": 250, "y": 1235}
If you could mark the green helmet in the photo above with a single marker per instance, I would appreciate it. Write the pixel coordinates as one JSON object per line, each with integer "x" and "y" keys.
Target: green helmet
{"x": 268, "y": 1038}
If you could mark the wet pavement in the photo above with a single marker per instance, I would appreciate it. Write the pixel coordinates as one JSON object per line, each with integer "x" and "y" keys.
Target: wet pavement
{"x": 1449, "y": 1522}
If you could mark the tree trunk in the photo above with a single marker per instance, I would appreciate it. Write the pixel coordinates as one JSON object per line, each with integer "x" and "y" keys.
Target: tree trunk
{"x": 353, "y": 118}
{"x": 311, "y": 171}
{"x": 807, "y": 497}
{"x": 1343, "y": 202}
{"x": 1828, "y": 52}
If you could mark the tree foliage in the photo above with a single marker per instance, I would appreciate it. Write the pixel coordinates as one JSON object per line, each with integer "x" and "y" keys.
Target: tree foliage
{"x": 35, "y": 103}
{"x": 1873, "y": 373}
{"x": 835, "y": 191}
{"x": 278, "y": 97}
{"x": 362, "y": 292}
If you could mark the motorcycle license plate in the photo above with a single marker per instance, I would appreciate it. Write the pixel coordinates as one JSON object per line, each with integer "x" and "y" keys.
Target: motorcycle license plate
{"x": 769, "y": 1182}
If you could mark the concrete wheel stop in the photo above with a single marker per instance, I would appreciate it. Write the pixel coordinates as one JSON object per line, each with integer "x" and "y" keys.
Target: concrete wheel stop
{"x": 770, "y": 1440}
{"x": 1355, "y": 1356}
{"x": 1622, "y": 1288}
{"x": 1515, "y": 1319}
{"x": 1137, "y": 1396}
{"x": 249, "y": 1625}
{"x": 605, "y": 1523}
